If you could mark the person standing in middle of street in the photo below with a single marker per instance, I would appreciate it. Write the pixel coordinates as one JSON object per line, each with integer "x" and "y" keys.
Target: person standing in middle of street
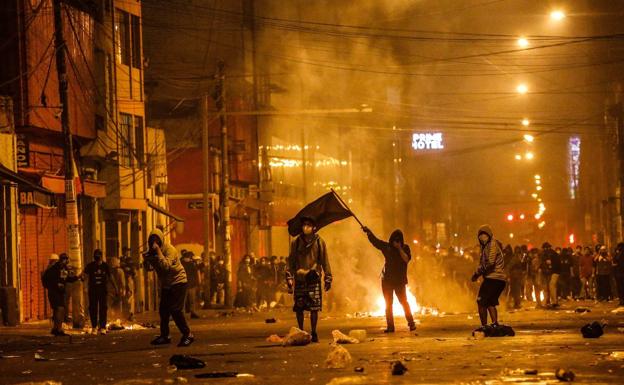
{"x": 173, "y": 283}
{"x": 192, "y": 275}
{"x": 492, "y": 268}
{"x": 98, "y": 273}
{"x": 308, "y": 267}
{"x": 394, "y": 276}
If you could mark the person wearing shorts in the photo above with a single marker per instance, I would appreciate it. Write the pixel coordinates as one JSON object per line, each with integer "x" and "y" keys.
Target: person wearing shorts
{"x": 492, "y": 269}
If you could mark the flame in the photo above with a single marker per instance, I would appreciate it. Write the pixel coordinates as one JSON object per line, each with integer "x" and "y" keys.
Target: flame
{"x": 541, "y": 295}
{"x": 397, "y": 309}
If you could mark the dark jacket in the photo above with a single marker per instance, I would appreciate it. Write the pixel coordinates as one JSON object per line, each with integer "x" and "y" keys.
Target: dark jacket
{"x": 395, "y": 268}
{"x": 306, "y": 255}
{"x": 192, "y": 273}
{"x": 56, "y": 276}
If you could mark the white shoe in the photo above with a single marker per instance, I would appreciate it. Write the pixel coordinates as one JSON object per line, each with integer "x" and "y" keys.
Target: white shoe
{"x": 103, "y": 331}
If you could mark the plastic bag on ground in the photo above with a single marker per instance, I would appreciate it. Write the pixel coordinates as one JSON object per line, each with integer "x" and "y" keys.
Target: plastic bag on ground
{"x": 358, "y": 334}
{"x": 274, "y": 338}
{"x": 592, "y": 330}
{"x": 341, "y": 338}
{"x": 338, "y": 357}
{"x": 186, "y": 362}
{"x": 297, "y": 337}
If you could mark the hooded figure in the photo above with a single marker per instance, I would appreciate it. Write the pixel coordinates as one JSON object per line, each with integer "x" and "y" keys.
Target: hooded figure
{"x": 492, "y": 268}
{"x": 165, "y": 260}
{"x": 394, "y": 275}
{"x": 308, "y": 266}
{"x": 55, "y": 279}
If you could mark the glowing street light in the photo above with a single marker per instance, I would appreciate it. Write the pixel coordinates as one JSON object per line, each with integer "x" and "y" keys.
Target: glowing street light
{"x": 538, "y": 176}
{"x": 523, "y": 42}
{"x": 538, "y": 182}
{"x": 510, "y": 217}
{"x": 522, "y": 216}
{"x": 529, "y": 155}
{"x": 526, "y": 122}
{"x": 529, "y": 138}
{"x": 541, "y": 224}
{"x": 534, "y": 195}
{"x": 511, "y": 235}
{"x": 538, "y": 188}
{"x": 538, "y": 216}
{"x": 518, "y": 157}
{"x": 557, "y": 15}
{"x": 522, "y": 88}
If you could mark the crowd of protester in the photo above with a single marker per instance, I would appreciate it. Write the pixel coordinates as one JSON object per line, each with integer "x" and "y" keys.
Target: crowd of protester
{"x": 548, "y": 275}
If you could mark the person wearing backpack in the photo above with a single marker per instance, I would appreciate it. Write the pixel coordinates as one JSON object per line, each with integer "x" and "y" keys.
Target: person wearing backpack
{"x": 54, "y": 279}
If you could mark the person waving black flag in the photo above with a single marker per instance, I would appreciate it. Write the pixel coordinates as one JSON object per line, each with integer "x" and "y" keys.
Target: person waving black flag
{"x": 325, "y": 210}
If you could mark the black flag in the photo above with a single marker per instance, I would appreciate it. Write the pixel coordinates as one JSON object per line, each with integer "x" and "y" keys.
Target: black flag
{"x": 325, "y": 210}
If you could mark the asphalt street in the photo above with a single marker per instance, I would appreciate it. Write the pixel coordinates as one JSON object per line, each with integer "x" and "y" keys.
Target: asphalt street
{"x": 442, "y": 351}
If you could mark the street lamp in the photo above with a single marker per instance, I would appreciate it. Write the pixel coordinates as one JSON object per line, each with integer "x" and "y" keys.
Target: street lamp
{"x": 522, "y": 88}
{"x": 518, "y": 157}
{"x": 529, "y": 138}
{"x": 529, "y": 155}
{"x": 523, "y": 42}
{"x": 526, "y": 122}
{"x": 557, "y": 15}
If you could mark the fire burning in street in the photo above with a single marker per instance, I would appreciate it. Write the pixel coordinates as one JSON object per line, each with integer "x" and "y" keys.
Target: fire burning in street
{"x": 397, "y": 309}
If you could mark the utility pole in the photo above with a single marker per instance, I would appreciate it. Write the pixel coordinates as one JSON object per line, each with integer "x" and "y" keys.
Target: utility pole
{"x": 225, "y": 181}
{"x": 71, "y": 205}
{"x": 206, "y": 172}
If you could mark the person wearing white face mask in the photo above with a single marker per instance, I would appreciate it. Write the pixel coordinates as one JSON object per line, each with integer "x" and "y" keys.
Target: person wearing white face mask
{"x": 308, "y": 265}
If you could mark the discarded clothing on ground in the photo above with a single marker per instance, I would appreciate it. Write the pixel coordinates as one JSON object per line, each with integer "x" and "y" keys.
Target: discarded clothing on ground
{"x": 494, "y": 331}
{"x": 297, "y": 337}
{"x": 398, "y": 369}
{"x": 186, "y": 362}
{"x": 341, "y": 338}
{"x": 564, "y": 375}
{"x": 592, "y": 330}
{"x": 338, "y": 357}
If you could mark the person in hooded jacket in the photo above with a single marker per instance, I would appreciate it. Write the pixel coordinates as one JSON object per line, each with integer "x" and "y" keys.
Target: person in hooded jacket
{"x": 492, "y": 269}
{"x": 394, "y": 276}
{"x": 308, "y": 266}
{"x": 164, "y": 258}
{"x": 55, "y": 279}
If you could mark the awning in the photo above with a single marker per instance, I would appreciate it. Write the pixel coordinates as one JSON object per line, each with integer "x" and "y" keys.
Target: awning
{"x": 8, "y": 174}
{"x": 164, "y": 212}
{"x": 88, "y": 187}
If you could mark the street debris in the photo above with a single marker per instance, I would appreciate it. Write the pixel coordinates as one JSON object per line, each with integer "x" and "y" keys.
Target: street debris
{"x": 618, "y": 310}
{"x": 171, "y": 369}
{"x": 270, "y": 320}
{"x": 358, "y": 369}
{"x": 39, "y": 357}
{"x": 617, "y": 356}
{"x": 338, "y": 357}
{"x": 297, "y": 337}
{"x": 223, "y": 375}
{"x": 358, "y": 334}
{"x": 398, "y": 369}
{"x": 186, "y": 362}
{"x": 9, "y": 356}
{"x": 494, "y": 331}
{"x": 582, "y": 309}
{"x": 115, "y": 325}
{"x": 350, "y": 380}
{"x": 564, "y": 375}
{"x": 274, "y": 338}
{"x": 593, "y": 330}
{"x": 341, "y": 338}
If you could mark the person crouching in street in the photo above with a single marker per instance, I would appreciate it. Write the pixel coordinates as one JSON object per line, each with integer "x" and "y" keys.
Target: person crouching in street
{"x": 492, "y": 268}
{"x": 394, "y": 276}
{"x": 307, "y": 264}
{"x": 164, "y": 258}
{"x": 98, "y": 273}
{"x": 54, "y": 279}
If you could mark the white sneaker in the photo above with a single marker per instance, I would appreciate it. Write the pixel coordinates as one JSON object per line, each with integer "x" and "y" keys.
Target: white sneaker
{"x": 102, "y": 331}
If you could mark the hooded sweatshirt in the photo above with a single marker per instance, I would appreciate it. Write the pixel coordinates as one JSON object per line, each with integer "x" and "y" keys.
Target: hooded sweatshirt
{"x": 169, "y": 268}
{"x": 395, "y": 268}
{"x": 492, "y": 264}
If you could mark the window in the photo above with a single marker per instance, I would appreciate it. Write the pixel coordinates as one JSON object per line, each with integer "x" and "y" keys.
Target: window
{"x": 122, "y": 37}
{"x": 139, "y": 140}
{"x": 125, "y": 140}
{"x": 136, "y": 42}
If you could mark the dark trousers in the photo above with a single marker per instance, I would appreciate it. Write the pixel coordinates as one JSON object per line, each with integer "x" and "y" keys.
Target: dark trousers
{"x": 388, "y": 289}
{"x": 172, "y": 306}
{"x": 603, "y": 287}
{"x": 57, "y": 303}
{"x": 98, "y": 307}
{"x": 619, "y": 280}
{"x": 515, "y": 284}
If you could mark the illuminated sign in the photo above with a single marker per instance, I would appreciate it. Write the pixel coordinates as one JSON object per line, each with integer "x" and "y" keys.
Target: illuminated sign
{"x": 427, "y": 141}
{"x": 574, "y": 162}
